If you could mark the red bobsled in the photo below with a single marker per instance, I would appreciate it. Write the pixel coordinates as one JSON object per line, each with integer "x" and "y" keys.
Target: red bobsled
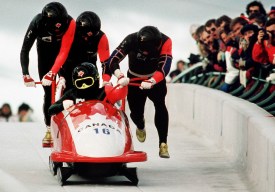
{"x": 93, "y": 140}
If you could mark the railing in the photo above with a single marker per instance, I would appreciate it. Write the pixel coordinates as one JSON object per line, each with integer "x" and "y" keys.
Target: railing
{"x": 259, "y": 91}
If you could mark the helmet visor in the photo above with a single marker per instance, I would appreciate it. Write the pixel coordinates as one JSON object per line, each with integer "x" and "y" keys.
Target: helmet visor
{"x": 84, "y": 83}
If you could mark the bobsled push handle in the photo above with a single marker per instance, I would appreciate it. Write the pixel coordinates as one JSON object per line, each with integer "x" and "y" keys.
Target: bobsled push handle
{"x": 53, "y": 89}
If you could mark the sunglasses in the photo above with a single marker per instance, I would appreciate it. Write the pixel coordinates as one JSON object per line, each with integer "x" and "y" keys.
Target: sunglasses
{"x": 253, "y": 11}
{"x": 213, "y": 29}
{"x": 84, "y": 83}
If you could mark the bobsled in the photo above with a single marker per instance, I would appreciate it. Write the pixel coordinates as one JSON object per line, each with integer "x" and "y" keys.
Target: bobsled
{"x": 93, "y": 139}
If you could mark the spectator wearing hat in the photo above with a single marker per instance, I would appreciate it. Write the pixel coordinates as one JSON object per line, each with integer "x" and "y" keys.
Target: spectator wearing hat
{"x": 192, "y": 30}
{"x": 245, "y": 63}
{"x": 271, "y": 14}
{"x": 24, "y": 113}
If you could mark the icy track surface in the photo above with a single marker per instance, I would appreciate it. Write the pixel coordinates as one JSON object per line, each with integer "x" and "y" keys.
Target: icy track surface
{"x": 196, "y": 165}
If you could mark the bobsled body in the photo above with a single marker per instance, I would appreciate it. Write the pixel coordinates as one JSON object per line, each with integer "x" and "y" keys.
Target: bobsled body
{"x": 94, "y": 131}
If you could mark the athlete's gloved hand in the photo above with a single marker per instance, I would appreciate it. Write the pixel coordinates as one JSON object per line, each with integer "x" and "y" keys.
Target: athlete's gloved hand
{"x": 147, "y": 84}
{"x": 67, "y": 104}
{"x": 48, "y": 78}
{"x": 61, "y": 82}
{"x": 121, "y": 79}
{"x": 28, "y": 81}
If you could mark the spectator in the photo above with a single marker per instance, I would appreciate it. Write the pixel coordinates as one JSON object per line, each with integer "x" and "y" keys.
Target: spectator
{"x": 235, "y": 26}
{"x": 193, "y": 29}
{"x": 211, "y": 28}
{"x": 201, "y": 47}
{"x": 24, "y": 113}
{"x": 180, "y": 67}
{"x": 246, "y": 64}
{"x": 232, "y": 73}
{"x": 257, "y": 19}
{"x": 264, "y": 49}
{"x": 255, "y": 7}
{"x": 223, "y": 21}
{"x": 6, "y": 113}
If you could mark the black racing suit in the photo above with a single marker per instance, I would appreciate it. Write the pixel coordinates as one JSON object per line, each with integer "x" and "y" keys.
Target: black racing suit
{"x": 77, "y": 95}
{"x": 48, "y": 48}
{"x": 157, "y": 65}
{"x": 86, "y": 50}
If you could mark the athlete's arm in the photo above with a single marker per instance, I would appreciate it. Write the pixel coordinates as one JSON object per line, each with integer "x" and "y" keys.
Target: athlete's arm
{"x": 29, "y": 39}
{"x": 165, "y": 61}
{"x": 66, "y": 43}
{"x": 104, "y": 54}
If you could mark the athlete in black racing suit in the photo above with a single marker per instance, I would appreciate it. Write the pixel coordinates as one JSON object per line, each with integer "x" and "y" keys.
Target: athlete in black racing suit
{"x": 150, "y": 55}
{"x": 54, "y": 31}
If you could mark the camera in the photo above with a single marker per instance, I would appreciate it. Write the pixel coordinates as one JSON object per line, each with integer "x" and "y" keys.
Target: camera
{"x": 266, "y": 36}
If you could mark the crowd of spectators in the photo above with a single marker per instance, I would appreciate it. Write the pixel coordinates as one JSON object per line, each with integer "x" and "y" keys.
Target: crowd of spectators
{"x": 24, "y": 113}
{"x": 242, "y": 47}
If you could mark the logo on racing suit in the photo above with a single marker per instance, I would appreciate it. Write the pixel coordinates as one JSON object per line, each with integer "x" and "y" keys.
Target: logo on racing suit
{"x": 47, "y": 39}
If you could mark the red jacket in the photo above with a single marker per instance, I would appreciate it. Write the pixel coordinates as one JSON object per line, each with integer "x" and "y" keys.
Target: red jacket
{"x": 263, "y": 53}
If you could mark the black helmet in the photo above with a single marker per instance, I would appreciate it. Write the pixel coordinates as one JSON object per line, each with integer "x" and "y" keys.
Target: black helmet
{"x": 88, "y": 22}
{"x": 149, "y": 38}
{"x": 85, "y": 75}
{"x": 55, "y": 16}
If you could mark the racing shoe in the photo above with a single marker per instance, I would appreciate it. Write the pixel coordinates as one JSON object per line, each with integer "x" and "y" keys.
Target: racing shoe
{"x": 163, "y": 151}
{"x": 47, "y": 140}
{"x": 141, "y": 135}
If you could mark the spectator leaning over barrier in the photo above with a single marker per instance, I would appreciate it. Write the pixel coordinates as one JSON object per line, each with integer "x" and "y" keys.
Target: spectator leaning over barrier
{"x": 247, "y": 66}
{"x": 257, "y": 19}
{"x": 255, "y": 7}
{"x": 264, "y": 49}
{"x": 213, "y": 45}
{"x": 201, "y": 47}
{"x": 232, "y": 73}
{"x": 222, "y": 21}
{"x": 193, "y": 29}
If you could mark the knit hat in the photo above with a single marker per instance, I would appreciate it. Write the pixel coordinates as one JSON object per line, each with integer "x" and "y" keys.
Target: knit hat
{"x": 249, "y": 27}
{"x": 193, "y": 28}
{"x": 272, "y": 10}
{"x": 193, "y": 59}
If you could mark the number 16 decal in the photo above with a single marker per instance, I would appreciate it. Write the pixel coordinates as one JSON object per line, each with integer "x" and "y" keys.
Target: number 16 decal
{"x": 104, "y": 131}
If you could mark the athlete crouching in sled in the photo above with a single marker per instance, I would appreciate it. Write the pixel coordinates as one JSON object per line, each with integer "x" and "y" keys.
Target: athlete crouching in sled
{"x": 86, "y": 87}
